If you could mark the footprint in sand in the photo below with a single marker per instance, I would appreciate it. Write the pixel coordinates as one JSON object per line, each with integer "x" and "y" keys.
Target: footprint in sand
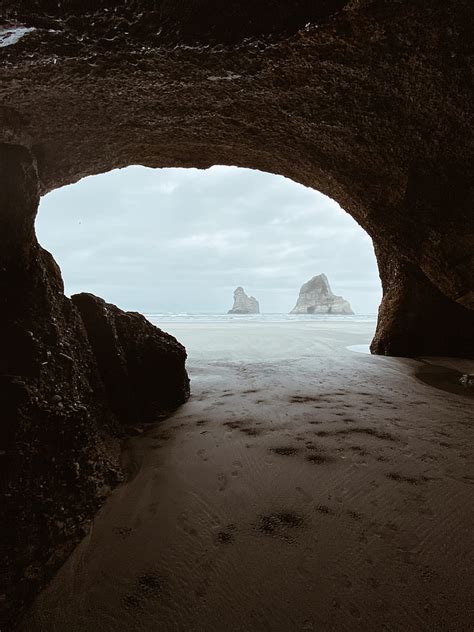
{"x": 324, "y": 509}
{"x": 412, "y": 480}
{"x": 202, "y": 453}
{"x": 226, "y": 535}
{"x": 238, "y": 466}
{"x": 183, "y": 522}
{"x": 222, "y": 478}
{"x": 123, "y": 532}
{"x": 317, "y": 459}
{"x": 279, "y": 523}
{"x": 284, "y": 450}
{"x": 303, "y": 399}
{"x": 147, "y": 586}
{"x": 251, "y": 432}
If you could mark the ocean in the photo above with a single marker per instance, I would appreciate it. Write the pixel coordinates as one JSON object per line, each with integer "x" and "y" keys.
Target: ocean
{"x": 244, "y": 338}
{"x": 183, "y": 317}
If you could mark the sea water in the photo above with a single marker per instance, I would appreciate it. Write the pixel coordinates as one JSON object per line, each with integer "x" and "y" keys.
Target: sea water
{"x": 184, "y": 317}
{"x": 264, "y": 337}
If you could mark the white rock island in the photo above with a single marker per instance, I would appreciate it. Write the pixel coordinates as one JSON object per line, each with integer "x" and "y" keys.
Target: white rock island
{"x": 244, "y": 304}
{"x": 316, "y": 297}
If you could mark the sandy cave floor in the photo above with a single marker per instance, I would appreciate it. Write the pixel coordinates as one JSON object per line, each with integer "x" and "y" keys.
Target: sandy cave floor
{"x": 303, "y": 487}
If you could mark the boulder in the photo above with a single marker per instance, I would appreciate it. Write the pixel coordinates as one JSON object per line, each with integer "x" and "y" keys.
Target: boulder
{"x": 316, "y": 297}
{"x": 244, "y": 304}
{"x": 141, "y": 366}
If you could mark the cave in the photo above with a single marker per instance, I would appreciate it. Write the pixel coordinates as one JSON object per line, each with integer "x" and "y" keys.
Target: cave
{"x": 366, "y": 101}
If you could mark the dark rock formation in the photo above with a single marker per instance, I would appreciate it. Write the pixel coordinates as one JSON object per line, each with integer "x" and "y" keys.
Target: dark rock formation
{"x": 142, "y": 367}
{"x": 59, "y": 431}
{"x": 340, "y": 95}
{"x": 415, "y": 318}
{"x": 368, "y": 101}
{"x": 316, "y": 297}
{"x": 244, "y": 304}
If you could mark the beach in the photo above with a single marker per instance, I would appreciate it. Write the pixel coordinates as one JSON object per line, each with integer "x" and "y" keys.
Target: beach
{"x": 304, "y": 486}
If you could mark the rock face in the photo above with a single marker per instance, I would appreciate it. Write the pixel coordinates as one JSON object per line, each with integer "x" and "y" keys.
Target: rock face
{"x": 316, "y": 297}
{"x": 416, "y": 318}
{"x": 63, "y": 403}
{"x": 340, "y": 95}
{"x": 141, "y": 367}
{"x": 278, "y": 88}
{"x": 244, "y": 304}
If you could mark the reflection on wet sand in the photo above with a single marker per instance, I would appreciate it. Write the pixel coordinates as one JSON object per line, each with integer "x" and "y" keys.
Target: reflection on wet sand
{"x": 303, "y": 487}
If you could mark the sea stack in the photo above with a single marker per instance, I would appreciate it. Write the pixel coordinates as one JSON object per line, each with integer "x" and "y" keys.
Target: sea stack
{"x": 316, "y": 297}
{"x": 244, "y": 304}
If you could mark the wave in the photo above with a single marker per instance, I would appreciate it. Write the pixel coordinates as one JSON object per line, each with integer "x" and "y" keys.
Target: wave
{"x": 182, "y": 317}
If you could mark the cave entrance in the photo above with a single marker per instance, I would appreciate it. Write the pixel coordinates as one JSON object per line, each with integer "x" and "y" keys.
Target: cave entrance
{"x": 179, "y": 241}
{"x": 185, "y": 247}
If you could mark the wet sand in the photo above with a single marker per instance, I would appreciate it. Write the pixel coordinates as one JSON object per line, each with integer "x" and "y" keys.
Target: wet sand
{"x": 303, "y": 487}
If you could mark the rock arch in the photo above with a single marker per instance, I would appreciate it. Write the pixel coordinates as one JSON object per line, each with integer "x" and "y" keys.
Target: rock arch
{"x": 364, "y": 101}
{"x": 368, "y": 101}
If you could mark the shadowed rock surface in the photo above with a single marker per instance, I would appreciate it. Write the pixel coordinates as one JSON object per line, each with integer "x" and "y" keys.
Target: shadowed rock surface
{"x": 343, "y": 96}
{"x": 368, "y": 101}
{"x": 61, "y": 425}
{"x": 316, "y": 297}
{"x": 415, "y": 316}
{"x": 142, "y": 367}
{"x": 244, "y": 304}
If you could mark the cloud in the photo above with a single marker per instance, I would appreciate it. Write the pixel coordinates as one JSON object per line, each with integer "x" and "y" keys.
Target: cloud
{"x": 183, "y": 239}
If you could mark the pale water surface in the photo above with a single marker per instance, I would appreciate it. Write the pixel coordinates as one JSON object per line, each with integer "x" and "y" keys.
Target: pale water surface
{"x": 184, "y": 317}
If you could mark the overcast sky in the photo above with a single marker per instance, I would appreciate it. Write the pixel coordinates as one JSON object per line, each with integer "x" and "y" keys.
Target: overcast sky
{"x": 181, "y": 240}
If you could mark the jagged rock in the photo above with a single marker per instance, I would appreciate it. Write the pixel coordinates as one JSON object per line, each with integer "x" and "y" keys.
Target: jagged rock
{"x": 316, "y": 297}
{"x": 244, "y": 304}
{"x": 60, "y": 424}
{"x": 467, "y": 380}
{"x": 142, "y": 367}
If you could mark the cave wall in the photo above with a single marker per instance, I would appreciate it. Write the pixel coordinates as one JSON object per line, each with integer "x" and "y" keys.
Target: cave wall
{"x": 415, "y": 318}
{"x": 60, "y": 430}
{"x": 368, "y": 101}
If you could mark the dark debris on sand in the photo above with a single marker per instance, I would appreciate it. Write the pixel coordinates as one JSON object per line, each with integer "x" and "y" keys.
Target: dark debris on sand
{"x": 279, "y": 522}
